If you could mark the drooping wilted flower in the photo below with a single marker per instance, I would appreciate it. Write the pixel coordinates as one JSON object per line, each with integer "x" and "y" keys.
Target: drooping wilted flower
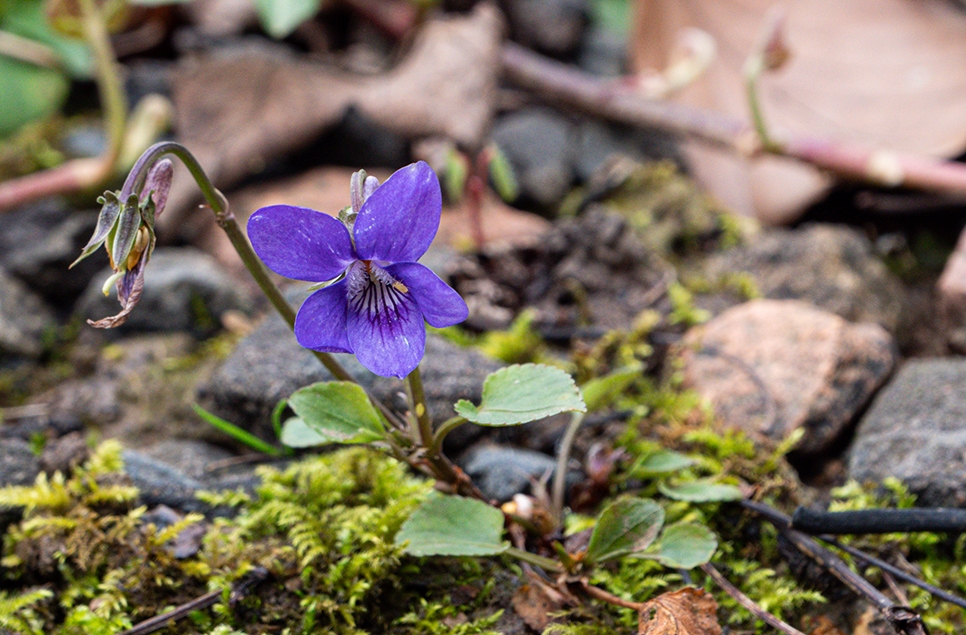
{"x": 378, "y": 296}
{"x": 126, "y": 229}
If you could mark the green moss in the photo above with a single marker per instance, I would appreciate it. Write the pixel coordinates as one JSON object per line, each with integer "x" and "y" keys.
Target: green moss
{"x": 323, "y": 528}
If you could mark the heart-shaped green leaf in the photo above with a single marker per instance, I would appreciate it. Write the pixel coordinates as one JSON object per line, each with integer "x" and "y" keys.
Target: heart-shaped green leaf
{"x": 453, "y": 526}
{"x": 686, "y": 545}
{"x": 625, "y": 527}
{"x": 700, "y": 492}
{"x": 521, "y": 393}
{"x": 662, "y": 462}
{"x": 337, "y": 411}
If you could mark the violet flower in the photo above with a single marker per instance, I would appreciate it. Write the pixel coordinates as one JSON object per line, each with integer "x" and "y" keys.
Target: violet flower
{"x": 379, "y": 295}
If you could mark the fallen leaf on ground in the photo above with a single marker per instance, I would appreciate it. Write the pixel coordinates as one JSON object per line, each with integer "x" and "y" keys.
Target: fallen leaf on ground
{"x": 887, "y": 74}
{"x": 689, "y": 611}
{"x": 241, "y": 108}
{"x": 534, "y": 602}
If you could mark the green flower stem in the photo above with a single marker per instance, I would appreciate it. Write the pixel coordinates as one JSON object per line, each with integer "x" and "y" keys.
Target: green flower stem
{"x": 548, "y": 564}
{"x": 417, "y": 398}
{"x": 226, "y": 220}
{"x": 108, "y": 81}
{"x": 563, "y": 457}
{"x": 445, "y": 428}
{"x": 754, "y": 67}
{"x": 438, "y": 465}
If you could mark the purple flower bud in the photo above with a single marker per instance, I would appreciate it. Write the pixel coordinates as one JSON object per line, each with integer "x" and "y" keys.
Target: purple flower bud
{"x": 158, "y": 184}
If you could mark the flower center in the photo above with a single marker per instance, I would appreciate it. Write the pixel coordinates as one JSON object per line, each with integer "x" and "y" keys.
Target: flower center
{"x": 373, "y": 292}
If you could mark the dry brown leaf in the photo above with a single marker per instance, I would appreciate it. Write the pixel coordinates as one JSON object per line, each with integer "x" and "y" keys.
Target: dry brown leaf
{"x": 879, "y": 73}
{"x": 689, "y": 611}
{"x": 239, "y": 109}
{"x": 822, "y": 625}
{"x": 534, "y": 603}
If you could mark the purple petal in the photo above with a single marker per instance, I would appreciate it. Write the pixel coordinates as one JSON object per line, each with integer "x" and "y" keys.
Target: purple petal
{"x": 400, "y": 219}
{"x": 386, "y": 330}
{"x": 438, "y": 302}
{"x": 321, "y": 321}
{"x": 129, "y": 289}
{"x": 300, "y": 243}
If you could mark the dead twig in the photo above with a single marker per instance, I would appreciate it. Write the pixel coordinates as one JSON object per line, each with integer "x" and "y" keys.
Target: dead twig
{"x": 902, "y": 618}
{"x": 868, "y": 559}
{"x": 747, "y": 602}
{"x": 239, "y": 590}
{"x": 607, "y": 99}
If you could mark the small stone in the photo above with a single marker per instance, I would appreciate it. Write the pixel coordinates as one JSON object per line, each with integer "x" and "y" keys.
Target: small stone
{"x": 603, "y": 52}
{"x": 555, "y": 27}
{"x": 18, "y": 463}
{"x": 601, "y": 141}
{"x": 23, "y": 319}
{"x": 184, "y": 290}
{"x": 44, "y": 263}
{"x": 160, "y": 484}
{"x": 64, "y": 454}
{"x": 832, "y": 266}
{"x": 190, "y": 456}
{"x": 770, "y": 367}
{"x": 915, "y": 431}
{"x": 501, "y": 472}
{"x": 540, "y": 145}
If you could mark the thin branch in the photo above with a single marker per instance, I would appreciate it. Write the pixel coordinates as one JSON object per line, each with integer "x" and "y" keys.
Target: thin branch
{"x": 776, "y": 516}
{"x": 747, "y": 602}
{"x": 238, "y": 591}
{"x": 903, "y": 619}
{"x": 609, "y": 100}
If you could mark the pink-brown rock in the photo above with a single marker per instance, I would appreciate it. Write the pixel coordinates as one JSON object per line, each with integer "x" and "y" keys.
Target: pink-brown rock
{"x": 770, "y": 367}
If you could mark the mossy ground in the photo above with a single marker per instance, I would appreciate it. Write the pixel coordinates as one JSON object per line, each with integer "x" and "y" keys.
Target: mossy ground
{"x": 82, "y": 561}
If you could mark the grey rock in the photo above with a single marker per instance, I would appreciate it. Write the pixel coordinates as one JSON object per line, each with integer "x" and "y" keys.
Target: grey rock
{"x": 44, "y": 263}
{"x": 184, "y": 290}
{"x": 915, "y": 431}
{"x": 269, "y": 365}
{"x": 502, "y": 471}
{"x": 160, "y": 484}
{"x": 603, "y": 52}
{"x": 23, "y": 319}
{"x": 189, "y": 456}
{"x": 600, "y": 142}
{"x": 65, "y": 453}
{"x": 18, "y": 464}
{"x": 773, "y": 366}
{"x": 831, "y": 266}
{"x": 555, "y": 27}
{"x": 84, "y": 141}
{"x": 39, "y": 241}
{"x": 540, "y": 145}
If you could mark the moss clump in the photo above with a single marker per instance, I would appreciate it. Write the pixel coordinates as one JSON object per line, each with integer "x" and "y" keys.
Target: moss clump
{"x": 85, "y": 561}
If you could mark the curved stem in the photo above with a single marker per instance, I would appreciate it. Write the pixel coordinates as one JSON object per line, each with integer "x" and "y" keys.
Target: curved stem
{"x": 445, "y": 428}
{"x": 226, "y": 220}
{"x": 545, "y": 563}
{"x": 109, "y": 87}
{"x": 563, "y": 457}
